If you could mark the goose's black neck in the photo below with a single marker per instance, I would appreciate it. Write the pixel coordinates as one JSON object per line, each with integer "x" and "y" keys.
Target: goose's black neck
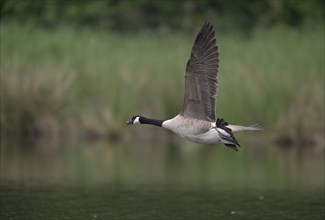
{"x": 150, "y": 121}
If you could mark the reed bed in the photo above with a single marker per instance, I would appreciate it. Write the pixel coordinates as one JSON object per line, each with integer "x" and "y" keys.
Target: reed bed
{"x": 71, "y": 82}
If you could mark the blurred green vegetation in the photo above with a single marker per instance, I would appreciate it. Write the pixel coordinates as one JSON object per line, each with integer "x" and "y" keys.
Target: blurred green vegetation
{"x": 71, "y": 67}
{"x": 82, "y": 79}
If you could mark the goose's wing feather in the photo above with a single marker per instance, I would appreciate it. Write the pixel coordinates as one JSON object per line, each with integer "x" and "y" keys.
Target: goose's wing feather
{"x": 201, "y": 77}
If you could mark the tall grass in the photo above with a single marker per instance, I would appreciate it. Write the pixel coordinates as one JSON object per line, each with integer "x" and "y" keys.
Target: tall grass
{"x": 275, "y": 78}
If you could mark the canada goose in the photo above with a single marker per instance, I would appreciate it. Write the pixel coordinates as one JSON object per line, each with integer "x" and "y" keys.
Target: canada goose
{"x": 197, "y": 121}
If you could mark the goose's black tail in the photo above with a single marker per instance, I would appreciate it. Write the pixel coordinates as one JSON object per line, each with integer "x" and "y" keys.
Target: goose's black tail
{"x": 226, "y": 134}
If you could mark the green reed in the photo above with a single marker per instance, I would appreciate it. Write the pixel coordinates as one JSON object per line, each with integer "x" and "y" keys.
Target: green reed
{"x": 273, "y": 77}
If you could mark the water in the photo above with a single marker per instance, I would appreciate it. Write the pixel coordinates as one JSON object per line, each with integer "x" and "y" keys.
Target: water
{"x": 53, "y": 180}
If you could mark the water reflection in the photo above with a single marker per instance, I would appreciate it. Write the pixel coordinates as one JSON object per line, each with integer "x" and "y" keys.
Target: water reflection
{"x": 127, "y": 181}
{"x": 182, "y": 166}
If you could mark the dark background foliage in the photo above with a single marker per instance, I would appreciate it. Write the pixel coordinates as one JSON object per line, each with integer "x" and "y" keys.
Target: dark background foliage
{"x": 126, "y": 16}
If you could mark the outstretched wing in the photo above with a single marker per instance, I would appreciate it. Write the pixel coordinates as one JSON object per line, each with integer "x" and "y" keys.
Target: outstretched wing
{"x": 201, "y": 77}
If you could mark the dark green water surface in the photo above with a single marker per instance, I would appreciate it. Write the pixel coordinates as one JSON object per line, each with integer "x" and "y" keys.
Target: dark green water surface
{"x": 52, "y": 180}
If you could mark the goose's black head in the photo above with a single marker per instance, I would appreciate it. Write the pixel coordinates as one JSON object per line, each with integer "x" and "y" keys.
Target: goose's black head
{"x": 134, "y": 120}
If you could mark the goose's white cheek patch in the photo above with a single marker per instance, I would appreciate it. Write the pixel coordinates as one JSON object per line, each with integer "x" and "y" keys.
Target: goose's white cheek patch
{"x": 136, "y": 120}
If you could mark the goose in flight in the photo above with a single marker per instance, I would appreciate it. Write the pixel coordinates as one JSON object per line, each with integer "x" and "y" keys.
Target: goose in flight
{"x": 197, "y": 121}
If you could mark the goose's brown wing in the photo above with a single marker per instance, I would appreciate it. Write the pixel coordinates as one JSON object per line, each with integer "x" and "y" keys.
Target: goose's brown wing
{"x": 201, "y": 77}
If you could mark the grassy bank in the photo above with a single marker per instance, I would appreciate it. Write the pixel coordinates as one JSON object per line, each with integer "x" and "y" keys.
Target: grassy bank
{"x": 63, "y": 82}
